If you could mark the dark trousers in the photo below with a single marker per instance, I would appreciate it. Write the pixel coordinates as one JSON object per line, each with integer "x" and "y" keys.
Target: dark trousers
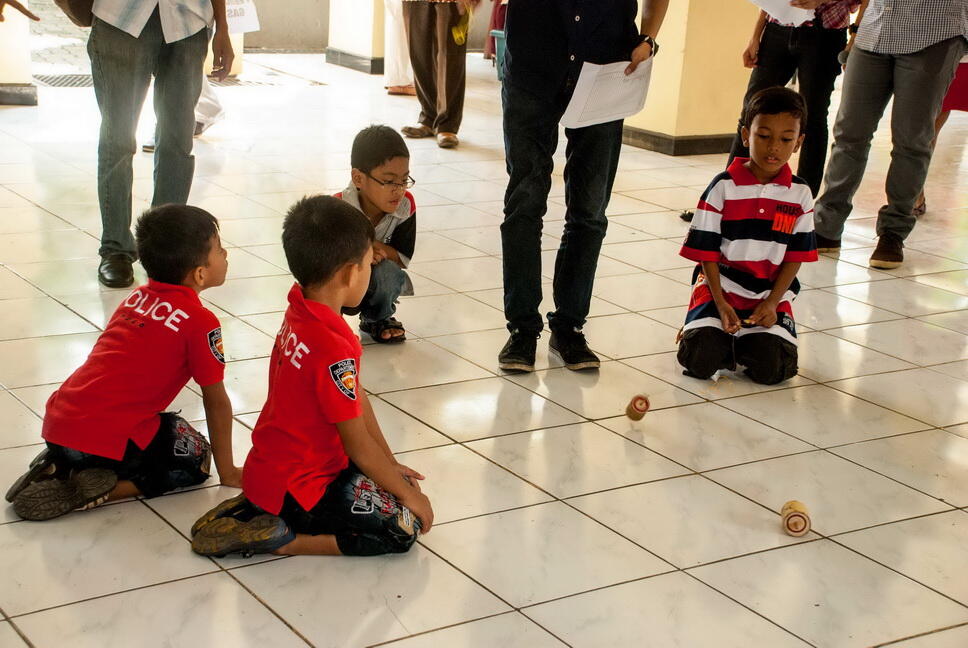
{"x": 178, "y": 456}
{"x": 811, "y": 53}
{"x": 530, "y": 140}
{"x": 769, "y": 359}
{"x": 918, "y": 83}
{"x": 122, "y": 67}
{"x": 366, "y": 520}
{"x": 439, "y": 64}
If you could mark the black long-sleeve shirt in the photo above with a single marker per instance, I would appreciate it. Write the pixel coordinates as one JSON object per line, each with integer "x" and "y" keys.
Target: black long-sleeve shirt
{"x": 549, "y": 40}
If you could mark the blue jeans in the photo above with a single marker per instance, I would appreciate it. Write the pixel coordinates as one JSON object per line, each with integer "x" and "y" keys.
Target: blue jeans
{"x": 122, "y": 67}
{"x": 530, "y": 140}
{"x": 386, "y": 284}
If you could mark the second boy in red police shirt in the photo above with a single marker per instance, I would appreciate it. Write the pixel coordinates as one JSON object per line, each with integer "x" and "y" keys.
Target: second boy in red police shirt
{"x": 320, "y": 478}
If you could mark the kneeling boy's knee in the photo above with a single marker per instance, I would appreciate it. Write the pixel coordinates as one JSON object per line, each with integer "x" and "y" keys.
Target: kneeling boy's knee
{"x": 371, "y": 544}
{"x": 774, "y": 368}
{"x": 701, "y": 352}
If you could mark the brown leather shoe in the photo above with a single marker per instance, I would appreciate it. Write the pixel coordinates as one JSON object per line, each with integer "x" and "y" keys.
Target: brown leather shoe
{"x": 889, "y": 253}
{"x": 115, "y": 271}
{"x": 407, "y": 90}
{"x": 416, "y": 132}
{"x": 447, "y": 140}
{"x": 825, "y": 244}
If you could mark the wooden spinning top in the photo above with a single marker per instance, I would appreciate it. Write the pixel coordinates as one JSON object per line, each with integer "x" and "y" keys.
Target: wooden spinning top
{"x": 796, "y": 518}
{"x": 637, "y": 407}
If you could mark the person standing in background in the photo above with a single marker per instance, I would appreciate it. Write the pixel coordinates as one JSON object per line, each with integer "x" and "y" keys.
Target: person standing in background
{"x": 397, "y": 73}
{"x": 548, "y": 42}
{"x": 776, "y": 53}
{"x": 907, "y": 51}
{"x": 131, "y": 41}
{"x": 439, "y": 66}
{"x": 956, "y": 99}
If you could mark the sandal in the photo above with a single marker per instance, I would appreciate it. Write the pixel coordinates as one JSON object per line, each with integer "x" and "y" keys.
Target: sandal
{"x": 376, "y": 330}
{"x": 921, "y": 208}
{"x": 416, "y": 132}
{"x": 407, "y": 90}
{"x": 447, "y": 140}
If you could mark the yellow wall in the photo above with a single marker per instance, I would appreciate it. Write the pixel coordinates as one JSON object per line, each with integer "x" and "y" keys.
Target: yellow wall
{"x": 238, "y": 46}
{"x": 14, "y": 47}
{"x": 356, "y": 26}
{"x": 699, "y": 80}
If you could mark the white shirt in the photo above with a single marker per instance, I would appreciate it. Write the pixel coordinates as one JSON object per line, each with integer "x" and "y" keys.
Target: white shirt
{"x": 179, "y": 18}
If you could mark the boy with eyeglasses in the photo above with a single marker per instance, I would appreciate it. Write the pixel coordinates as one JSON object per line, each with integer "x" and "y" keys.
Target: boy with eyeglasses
{"x": 378, "y": 188}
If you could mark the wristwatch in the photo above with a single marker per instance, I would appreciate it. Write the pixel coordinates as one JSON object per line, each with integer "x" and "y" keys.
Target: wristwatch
{"x": 854, "y": 28}
{"x": 645, "y": 38}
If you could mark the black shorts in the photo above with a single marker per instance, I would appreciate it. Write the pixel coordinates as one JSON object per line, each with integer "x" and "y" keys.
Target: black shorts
{"x": 178, "y": 456}
{"x": 366, "y": 520}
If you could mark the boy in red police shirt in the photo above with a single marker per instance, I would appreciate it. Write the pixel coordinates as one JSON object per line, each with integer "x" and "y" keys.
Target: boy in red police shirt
{"x": 108, "y": 436}
{"x": 320, "y": 478}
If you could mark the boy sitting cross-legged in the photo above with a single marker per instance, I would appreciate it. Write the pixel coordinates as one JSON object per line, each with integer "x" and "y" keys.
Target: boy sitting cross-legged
{"x": 320, "y": 478}
{"x": 378, "y": 187}
{"x": 108, "y": 436}
{"x": 752, "y": 230}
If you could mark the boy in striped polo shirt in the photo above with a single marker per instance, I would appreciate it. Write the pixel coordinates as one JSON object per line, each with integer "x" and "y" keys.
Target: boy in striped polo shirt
{"x": 752, "y": 229}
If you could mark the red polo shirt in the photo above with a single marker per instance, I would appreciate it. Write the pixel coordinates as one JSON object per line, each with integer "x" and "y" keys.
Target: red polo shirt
{"x": 312, "y": 387}
{"x": 159, "y": 337}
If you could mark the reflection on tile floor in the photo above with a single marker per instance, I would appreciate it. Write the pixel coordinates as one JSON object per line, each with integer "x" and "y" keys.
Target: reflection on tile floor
{"x": 559, "y": 521}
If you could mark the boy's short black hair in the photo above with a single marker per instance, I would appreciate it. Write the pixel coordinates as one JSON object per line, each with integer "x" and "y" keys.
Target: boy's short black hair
{"x": 376, "y": 145}
{"x": 320, "y": 235}
{"x": 773, "y": 101}
{"x": 173, "y": 240}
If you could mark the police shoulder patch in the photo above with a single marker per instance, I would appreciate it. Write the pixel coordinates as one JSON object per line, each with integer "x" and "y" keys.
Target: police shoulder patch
{"x": 215, "y": 344}
{"x": 343, "y": 374}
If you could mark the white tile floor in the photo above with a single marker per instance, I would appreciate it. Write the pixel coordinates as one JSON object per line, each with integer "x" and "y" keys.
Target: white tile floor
{"x": 559, "y": 521}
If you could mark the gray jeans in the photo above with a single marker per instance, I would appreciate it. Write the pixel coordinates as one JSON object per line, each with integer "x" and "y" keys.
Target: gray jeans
{"x": 122, "y": 67}
{"x": 918, "y": 83}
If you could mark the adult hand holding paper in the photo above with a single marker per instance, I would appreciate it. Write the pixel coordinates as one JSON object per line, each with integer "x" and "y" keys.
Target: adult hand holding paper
{"x": 784, "y": 12}
{"x": 606, "y": 93}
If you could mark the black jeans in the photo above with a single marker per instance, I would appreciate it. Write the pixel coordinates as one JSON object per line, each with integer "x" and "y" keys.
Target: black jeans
{"x": 768, "y": 358}
{"x": 530, "y": 140}
{"x": 811, "y": 52}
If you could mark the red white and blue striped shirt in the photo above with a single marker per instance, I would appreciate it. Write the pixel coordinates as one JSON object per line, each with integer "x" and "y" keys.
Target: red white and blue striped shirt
{"x": 750, "y": 229}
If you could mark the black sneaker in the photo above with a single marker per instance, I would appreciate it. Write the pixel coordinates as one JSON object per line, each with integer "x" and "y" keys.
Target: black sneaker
{"x": 687, "y": 215}
{"x": 51, "y": 498}
{"x": 42, "y": 467}
{"x": 262, "y": 534}
{"x": 571, "y": 347}
{"x": 518, "y": 352}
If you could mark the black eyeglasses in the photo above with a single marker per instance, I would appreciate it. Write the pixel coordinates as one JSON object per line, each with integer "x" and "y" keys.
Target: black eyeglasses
{"x": 406, "y": 184}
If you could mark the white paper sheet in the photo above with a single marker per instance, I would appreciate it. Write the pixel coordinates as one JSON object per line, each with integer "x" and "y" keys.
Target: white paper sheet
{"x": 784, "y": 13}
{"x": 242, "y": 16}
{"x": 604, "y": 93}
